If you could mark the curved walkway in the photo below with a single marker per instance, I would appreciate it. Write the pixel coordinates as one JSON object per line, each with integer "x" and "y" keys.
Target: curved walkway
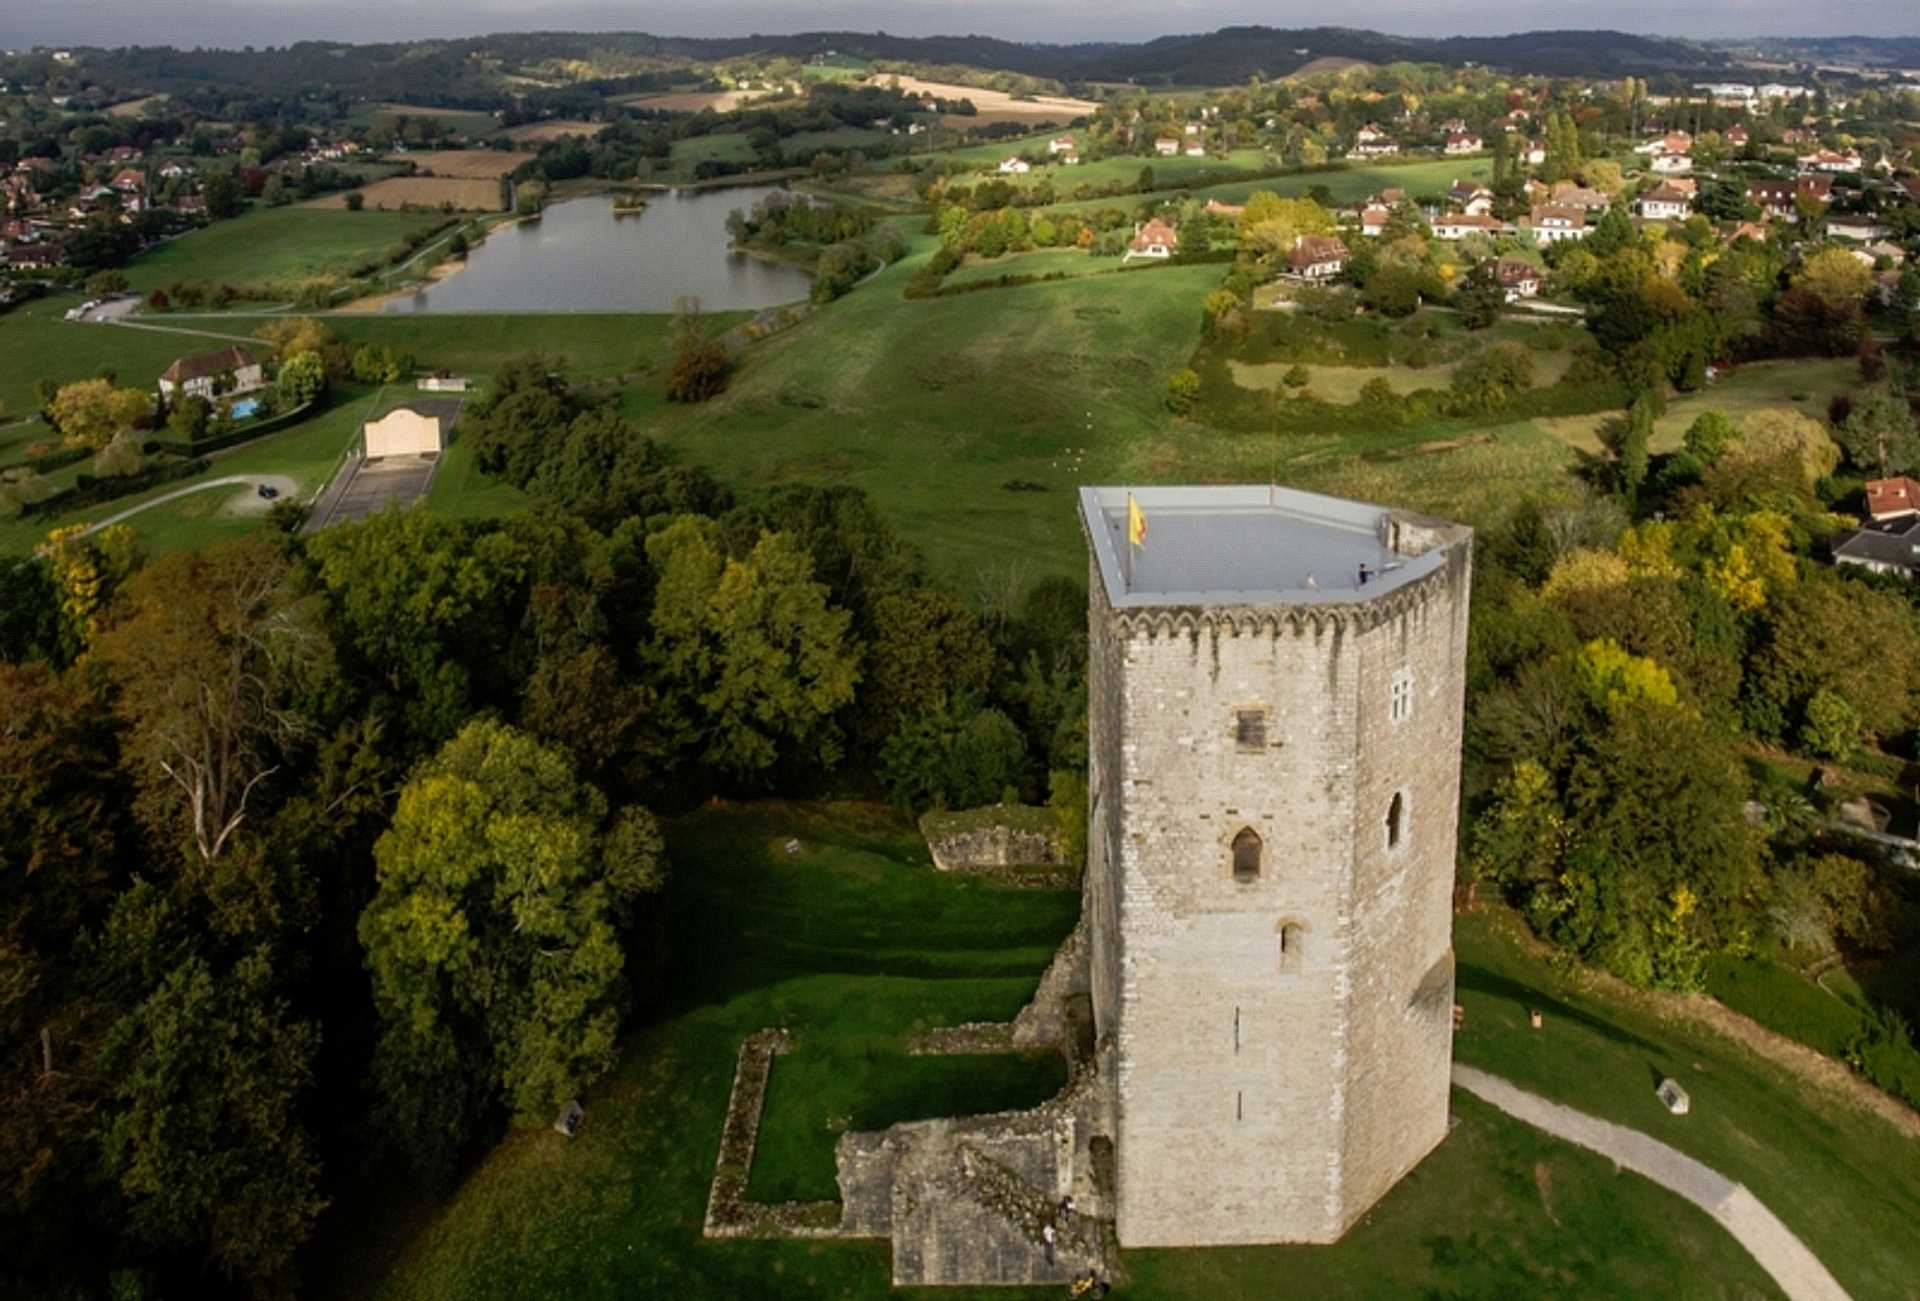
{"x": 1798, "y": 1272}
{"x": 280, "y": 482}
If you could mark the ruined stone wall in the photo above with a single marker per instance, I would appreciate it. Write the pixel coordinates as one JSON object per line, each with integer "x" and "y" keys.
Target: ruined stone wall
{"x": 1265, "y": 1096}
{"x": 1100, "y": 906}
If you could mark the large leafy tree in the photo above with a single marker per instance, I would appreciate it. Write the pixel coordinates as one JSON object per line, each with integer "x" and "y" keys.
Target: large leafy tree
{"x": 1879, "y": 434}
{"x": 214, "y": 656}
{"x": 752, "y": 659}
{"x": 493, "y": 938}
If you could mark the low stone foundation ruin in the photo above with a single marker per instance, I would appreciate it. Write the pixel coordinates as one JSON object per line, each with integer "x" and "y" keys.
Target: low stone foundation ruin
{"x": 964, "y": 1200}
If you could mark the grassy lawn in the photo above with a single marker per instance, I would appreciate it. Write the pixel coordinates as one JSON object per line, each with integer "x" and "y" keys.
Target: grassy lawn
{"x": 1348, "y": 184}
{"x": 854, "y": 942}
{"x": 37, "y": 344}
{"x": 1343, "y": 383}
{"x": 806, "y": 143}
{"x": 267, "y": 247}
{"x": 1844, "y": 1181}
{"x": 466, "y": 122}
{"x": 461, "y": 491}
{"x": 593, "y": 345}
{"x": 1126, "y": 169}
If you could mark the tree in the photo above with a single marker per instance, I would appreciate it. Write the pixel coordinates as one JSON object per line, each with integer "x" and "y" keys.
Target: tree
{"x": 699, "y": 365}
{"x": 1183, "y": 391}
{"x": 303, "y": 378}
{"x": 529, "y": 197}
{"x": 355, "y": 201}
{"x": 1835, "y": 277}
{"x": 1879, "y": 434}
{"x": 1853, "y": 642}
{"x": 1480, "y": 298}
{"x": 211, "y": 655}
{"x": 1394, "y": 290}
{"x": 224, "y": 195}
{"x": 960, "y": 756}
{"x": 188, "y": 419}
{"x": 924, "y": 648}
{"x": 753, "y": 662}
{"x": 493, "y": 938}
{"x": 90, "y": 412}
{"x": 1709, "y": 436}
{"x": 1492, "y": 378}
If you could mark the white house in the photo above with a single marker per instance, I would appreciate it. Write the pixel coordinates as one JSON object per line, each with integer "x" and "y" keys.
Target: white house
{"x": 1371, "y": 142}
{"x": 1167, "y": 146}
{"x": 1471, "y": 198}
{"x": 1462, "y": 142}
{"x": 1533, "y": 153}
{"x": 1459, "y": 225}
{"x": 1673, "y": 142}
{"x": 1672, "y": 164}
{"x": 1551, "y": 223}
{"x": 1826, "y": 160}
{"x": 1196, "y": 150}
{"x": 1015, "y": 167}
{"x": 1518, "y": 278}
{"x": 1316, "y": 257}
{"x": 201, "y": 375}
{"x": 1060, "y": 145}
{"x": 1664, "y": 202}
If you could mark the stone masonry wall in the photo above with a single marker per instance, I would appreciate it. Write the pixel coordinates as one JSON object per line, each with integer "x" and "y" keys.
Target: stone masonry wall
{"x": 1264, "y": 1097}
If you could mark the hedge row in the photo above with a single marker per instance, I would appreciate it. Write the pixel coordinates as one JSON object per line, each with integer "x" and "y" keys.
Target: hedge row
{"x": 51, "y": 461}
{"x": 89, "y": 491}
{"x": 220, "y": 442}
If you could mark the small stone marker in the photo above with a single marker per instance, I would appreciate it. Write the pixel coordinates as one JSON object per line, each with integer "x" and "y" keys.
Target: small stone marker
{"x": 1674, "y": 1096}
{"x": 569, "y": 1119}
{"x": 1533, "y": 1017}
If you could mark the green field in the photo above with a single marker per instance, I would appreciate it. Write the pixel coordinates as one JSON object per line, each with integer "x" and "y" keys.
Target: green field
{"x": 1351, "y": 184}
{"x": 726, "y": 147}
{"x": 466, "y": 122}
{"x": 854, "y": 942}
{"x": 37, "y": 344}
{"x": 1126, "y": 170}
{"x": 806, "y": 143}
{"x": 273, "y": 248}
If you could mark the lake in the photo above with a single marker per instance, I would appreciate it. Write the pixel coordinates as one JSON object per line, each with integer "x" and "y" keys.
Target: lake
{"x": 579, "y": 257}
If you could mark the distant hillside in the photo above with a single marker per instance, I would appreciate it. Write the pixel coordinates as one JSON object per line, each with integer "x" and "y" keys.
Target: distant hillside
{"x": 1888, "y": 51}
{"x": 457, "y": 72}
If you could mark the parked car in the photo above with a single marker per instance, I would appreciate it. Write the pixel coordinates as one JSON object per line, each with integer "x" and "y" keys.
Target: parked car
{"x": 268, "y": 491}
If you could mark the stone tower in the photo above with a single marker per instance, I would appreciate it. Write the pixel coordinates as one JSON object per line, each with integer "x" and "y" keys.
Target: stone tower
{"x": 1276, "y": 686}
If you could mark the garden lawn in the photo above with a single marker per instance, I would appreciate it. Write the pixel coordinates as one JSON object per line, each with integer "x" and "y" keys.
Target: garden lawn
{"x": 1846, "y": 1182}
{"x": 1126, "y": 170}
{"x": 1342, "y": 384}
{"x": 854, "y": 942}
{"x": 594, "y": 346}
{"x": 36, "y": 344}
{"x": 1348, "y": 184}
{"x": 275, "y": 248}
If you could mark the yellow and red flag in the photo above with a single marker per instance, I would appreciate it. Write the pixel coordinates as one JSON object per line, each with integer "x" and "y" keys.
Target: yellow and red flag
{"x": 1136, "y": 523}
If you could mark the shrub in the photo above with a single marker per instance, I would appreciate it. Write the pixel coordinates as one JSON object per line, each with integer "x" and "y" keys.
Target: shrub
{"x": 1183, "y": 391}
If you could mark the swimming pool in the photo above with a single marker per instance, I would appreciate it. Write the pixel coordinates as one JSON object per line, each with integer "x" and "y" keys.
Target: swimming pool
{"x": 244, "y": 408}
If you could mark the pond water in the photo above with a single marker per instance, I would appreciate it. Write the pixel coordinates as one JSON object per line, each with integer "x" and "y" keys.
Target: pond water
{"x": 580, "y": 257}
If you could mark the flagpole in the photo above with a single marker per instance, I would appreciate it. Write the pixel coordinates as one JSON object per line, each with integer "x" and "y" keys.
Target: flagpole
{"x": 1129, "y": 532}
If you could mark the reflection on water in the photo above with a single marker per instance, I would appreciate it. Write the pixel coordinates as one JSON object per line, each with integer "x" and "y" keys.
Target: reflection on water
{"x": 580, "y": 257}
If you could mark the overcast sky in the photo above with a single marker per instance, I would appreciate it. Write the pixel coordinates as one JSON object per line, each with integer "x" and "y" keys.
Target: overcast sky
{"x": 276, "y": 22}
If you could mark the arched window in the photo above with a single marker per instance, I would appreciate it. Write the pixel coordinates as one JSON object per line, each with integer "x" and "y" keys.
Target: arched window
{"x": 1246, "y": 855}
{"x": 1293, "y": 945}
{"x": 1396, "y": 820}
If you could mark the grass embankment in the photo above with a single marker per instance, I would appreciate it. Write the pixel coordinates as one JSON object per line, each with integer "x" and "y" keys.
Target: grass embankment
{"x": 854, "y": 942}
{"x": 273, "y": 249}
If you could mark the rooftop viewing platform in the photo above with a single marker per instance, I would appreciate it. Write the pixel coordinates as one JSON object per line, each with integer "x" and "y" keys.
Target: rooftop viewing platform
{"x": 1255, "y": 544}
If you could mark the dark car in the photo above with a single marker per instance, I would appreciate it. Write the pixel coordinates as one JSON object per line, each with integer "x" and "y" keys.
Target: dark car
{"x": 268, "y": 491}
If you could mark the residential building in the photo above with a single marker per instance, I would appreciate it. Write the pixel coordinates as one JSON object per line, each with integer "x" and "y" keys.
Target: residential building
{"x": 1196, "y": 150}
{"x": 1533, "y": 153}
{"x": 1372, "y": 142}
{"x": 1231, "y": 210}
{"x": 1890, "y": 546}
{"x": 1826, "y": 160}
{"x": 1670, "y": 164}
{"x": 1167, "y": 146}
{"x": 1154, "y": 239}
{"x": 1060, "y": 145}
{"x": 1735, "y": 137}
{"x": 1015, "y": 167}
{"x": 1892, "y": 498}
{"x": 1459, "y": 225}
{"x": 202, "y": 375}
{"x": 1781, "y": 198}
{"x": 1518, "y": 277}
{"x": 1471, "y": 198}
{"x": 1664, "y": 203}
{"x": 1316, "y": 257}
{"x": 1463, "y": 142}
{"x": 1551, "y": 223}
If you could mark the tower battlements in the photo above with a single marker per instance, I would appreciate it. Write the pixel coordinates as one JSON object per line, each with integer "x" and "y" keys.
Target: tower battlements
{"x": 1275, "y": 691}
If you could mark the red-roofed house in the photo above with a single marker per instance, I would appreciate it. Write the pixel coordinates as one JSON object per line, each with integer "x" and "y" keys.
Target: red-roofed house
{"x": 198, "y": 376}
{"x": 1463, "y": 142}
{"x": 1892, "y": 498}
{"x": 1664, "y": 202}
{"x": 1153, "y": 239}
{"x": 1518, "y": 277}
{"x": 1317, "y": 257}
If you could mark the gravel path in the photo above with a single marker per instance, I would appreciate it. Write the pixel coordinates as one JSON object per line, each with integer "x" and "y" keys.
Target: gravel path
{"x": 1798, "y": 1272}
{"x": 246, "y": 505}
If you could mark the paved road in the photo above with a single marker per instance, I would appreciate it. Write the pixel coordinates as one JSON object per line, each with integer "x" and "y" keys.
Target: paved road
{"x": 1798, "y": 1272}
{"x": 280, "y": 482}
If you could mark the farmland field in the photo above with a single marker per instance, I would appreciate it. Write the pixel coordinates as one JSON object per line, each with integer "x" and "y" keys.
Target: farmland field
{"x": 467, "y": 122}
{"x": 466, "y": 164}
{"x": 396, "y": 192}
{"x": 731, "y": 147}
{"x": 135, "y": 107}
{"x": 995, "y": 105}
{"x": 695, "y": 101}
{"x": 541, "y": 132}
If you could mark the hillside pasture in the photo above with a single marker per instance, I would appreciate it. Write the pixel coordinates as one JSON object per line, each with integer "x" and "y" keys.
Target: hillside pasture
{"x": 726, "y": 147}
{"x": 694, "y": 101}
{"x": 464, "y": 121}
{"x": 1803, "y": 384}
{"x": 1343, "y": 383}
{"x": 135, "y": 107}
{"x": 1350, "y": 184}
{"x": 994, "y": 105}
{"x": 400, "y": 192}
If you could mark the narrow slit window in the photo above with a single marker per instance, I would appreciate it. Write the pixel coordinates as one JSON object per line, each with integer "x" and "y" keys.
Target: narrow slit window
{"x": 1400, "y": 706}
{"x": 1246, "y": 856}
{"x": 1396, "y": 820}
{"x": 1293, "y": 943}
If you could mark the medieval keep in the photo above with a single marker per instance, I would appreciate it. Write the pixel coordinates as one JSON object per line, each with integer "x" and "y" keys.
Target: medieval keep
{"x": 1275, "y": 687}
